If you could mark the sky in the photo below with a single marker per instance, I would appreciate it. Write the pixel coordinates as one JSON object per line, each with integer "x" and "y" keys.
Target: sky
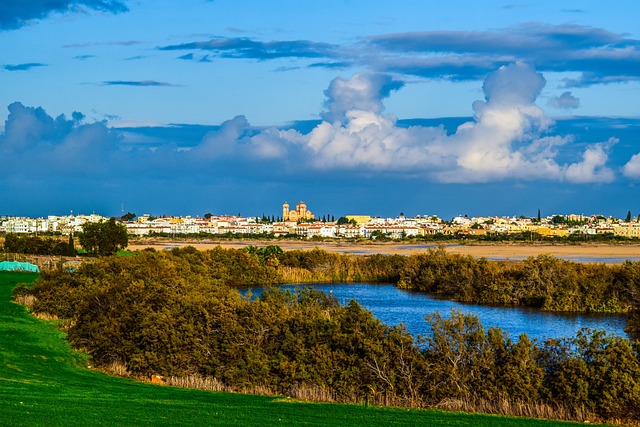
{"x": 354, "y": 107}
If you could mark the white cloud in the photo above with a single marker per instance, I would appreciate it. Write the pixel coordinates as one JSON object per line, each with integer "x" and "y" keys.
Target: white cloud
{"x": 373, "y": 141}
{"x": 224, "y": 141}
{"x": 592, "y": 168}
{"x": 506, "y": 140}
{"x": 566, "y": 101}
{"x": 632, "y": 168}
{"x": 361, "y": 92}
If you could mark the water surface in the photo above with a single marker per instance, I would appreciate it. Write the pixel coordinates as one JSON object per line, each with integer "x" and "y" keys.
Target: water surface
{"x": 394, "y": 306}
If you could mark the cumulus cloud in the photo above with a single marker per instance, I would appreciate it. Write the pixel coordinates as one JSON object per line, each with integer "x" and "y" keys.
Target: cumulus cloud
{"x": 632, "y": 168}
{"x": 41, "y": 144}
{"x": 361, "y": 92}
{"x": 566, "y": 101}
{"x": 508, "y": 138}
{"x": 503, "y": 142}
{"x": 225, "y": 141}
{"x": 15, "y": 14}
{"x": 592, "y": 168}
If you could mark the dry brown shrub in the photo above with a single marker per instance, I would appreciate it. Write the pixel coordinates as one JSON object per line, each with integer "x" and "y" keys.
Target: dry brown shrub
{"x": 258, "y": 390}
{"x": 312, "y": 393}
{"x": 302, "y": 275}
{"x": 46, "y": 316}
{"x": 517, "y": 409}
{"x": 26, "y": 300}
{"x": 117, "y": 368}
{"x": 198, "y": 382}
{"x": 66, "y": 324}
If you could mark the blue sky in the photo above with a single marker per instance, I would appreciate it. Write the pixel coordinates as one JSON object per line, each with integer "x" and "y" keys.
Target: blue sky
{"x": 439, "y": 107}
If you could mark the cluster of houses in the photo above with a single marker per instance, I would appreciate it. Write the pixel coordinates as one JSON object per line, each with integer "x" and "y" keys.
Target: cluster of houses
{"x": 302, "y": 224}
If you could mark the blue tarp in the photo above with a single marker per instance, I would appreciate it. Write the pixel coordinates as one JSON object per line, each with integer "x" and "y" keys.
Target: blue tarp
{"x": 18, "y": 266}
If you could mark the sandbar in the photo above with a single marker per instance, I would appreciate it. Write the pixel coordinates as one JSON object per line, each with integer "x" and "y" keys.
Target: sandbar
{"x": 610, "y": 253}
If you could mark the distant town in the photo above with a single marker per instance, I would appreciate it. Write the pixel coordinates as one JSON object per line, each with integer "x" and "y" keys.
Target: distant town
{"x": 300, "y": 222}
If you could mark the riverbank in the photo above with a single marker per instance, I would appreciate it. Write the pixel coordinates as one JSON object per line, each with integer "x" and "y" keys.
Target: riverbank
{"x": 511, "y": 251}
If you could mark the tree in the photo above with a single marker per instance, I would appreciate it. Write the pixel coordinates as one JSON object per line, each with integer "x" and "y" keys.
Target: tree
{"x": 538, "y": 214}
{"x": 207, "y": 215}
{"x": 71, "y": 249}
{"x": 628, "y": 219}
{"x": 128, "y": 216}
{"x": 104, "y": 237}
{"x": 344, "y": 220}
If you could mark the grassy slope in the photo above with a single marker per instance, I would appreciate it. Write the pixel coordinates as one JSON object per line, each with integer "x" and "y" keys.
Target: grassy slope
{"x": 44, "y": 382}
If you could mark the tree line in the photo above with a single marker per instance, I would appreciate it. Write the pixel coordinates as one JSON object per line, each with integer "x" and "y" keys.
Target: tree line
{"x": 97, "y": 238}
{"x": 176, "y": 313}
{"x": 34, "y": 245}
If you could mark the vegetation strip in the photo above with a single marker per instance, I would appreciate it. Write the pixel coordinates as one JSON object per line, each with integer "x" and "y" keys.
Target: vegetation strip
{"x": 172, "y": 314}
{"x": 44, "y": 382}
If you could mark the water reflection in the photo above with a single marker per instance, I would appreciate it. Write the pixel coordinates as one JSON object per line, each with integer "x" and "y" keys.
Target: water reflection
{"x": 394, "y": 306}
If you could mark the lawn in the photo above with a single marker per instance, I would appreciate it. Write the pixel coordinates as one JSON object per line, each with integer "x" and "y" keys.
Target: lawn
{"x": 44, "y": 382}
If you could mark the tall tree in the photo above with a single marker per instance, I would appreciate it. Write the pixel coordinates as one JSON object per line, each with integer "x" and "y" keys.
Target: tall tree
{"x": 104, "y": 237}
{"x": 628, "y": 219}
{"x": 71, "y": 247}
{"x": 128, "y": 216}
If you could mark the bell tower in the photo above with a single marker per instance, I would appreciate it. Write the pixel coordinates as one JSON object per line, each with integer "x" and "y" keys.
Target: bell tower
{"x": 285, "y": 211}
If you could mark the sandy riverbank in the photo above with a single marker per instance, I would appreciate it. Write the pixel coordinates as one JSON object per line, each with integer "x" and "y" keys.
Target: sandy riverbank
{"x": 614, "y": 252}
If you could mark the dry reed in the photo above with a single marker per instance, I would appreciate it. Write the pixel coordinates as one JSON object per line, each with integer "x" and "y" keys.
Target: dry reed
{"x": 117, "y": 368}
{"x": 315, "y": 393}
{"x": 26, "y": 300}
{"x": 46, "y": 316}
{"x": 517, "y": 409}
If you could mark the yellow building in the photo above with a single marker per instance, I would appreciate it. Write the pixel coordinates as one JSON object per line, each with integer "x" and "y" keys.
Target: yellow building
{"x": 301, "y": 213}
{"x": 552, "y": 232}
{"x": 359, "y": 219}
{"x": 629, "y": 231}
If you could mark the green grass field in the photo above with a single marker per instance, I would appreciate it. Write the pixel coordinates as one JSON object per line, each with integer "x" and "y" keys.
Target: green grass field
{"x": 44, "y": 382}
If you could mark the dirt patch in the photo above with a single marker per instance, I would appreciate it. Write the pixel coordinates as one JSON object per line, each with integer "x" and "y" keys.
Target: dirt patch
{"x": 513, "y": 251}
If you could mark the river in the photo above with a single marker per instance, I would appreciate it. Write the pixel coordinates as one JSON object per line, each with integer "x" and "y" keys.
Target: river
{"x": 394, "y": 306}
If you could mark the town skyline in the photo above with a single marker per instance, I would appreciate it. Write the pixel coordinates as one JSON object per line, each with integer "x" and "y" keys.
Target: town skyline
{"x": 300, "y": 222}
{"x": 321, "y": 215}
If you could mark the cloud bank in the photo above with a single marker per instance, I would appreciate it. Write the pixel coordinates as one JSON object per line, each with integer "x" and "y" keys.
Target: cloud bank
{"x": 598, "y": 55}
{"x": 509, "y": 138}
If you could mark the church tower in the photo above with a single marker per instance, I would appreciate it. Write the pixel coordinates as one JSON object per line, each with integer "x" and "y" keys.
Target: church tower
{"x": 302, "y": 210}
{"x": 285, "y": 211}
